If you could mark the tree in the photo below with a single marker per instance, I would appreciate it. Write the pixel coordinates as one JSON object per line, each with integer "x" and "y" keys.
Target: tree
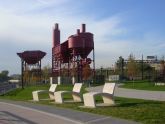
{"x": 131, "y": 67}
{"x": 120, "y": 66}
{"x": 162, "y": 62}
{"x": 5, "y": 72}
{"x": 148, "y": 70}
{"x": 74, "y": 72}
{"x": 46, "y": 72}
{"x": 64, "y": 71}
{"x": 86, "y": 72}
{"x": 26, "y": 74}
{"x": 4, "y": 75}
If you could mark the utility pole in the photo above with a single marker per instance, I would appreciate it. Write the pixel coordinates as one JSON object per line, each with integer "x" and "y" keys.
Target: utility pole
{"x": 101, "y": 70}
{"x": 142, "y": 67}
{"x": 22, "y": 73}
{"x": 122, "y": 68}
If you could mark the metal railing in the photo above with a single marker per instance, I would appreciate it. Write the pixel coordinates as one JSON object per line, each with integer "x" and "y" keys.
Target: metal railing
{"x": 6, "y": 87}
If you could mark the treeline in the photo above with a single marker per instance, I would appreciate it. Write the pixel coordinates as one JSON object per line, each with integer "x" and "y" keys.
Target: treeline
{"x": 4, "y": 76}
{"x": 132, "y": 69}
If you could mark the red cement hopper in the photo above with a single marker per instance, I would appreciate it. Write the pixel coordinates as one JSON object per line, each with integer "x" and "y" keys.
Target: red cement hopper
{"x": 81, "y": 43}
{"x": 31, "y": 57}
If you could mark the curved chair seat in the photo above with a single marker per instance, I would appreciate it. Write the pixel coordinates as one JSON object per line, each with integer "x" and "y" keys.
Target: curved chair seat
{"x": 107, "y": 95}
{"x": 75, "y": 94}
{"x": 51, "y": 91}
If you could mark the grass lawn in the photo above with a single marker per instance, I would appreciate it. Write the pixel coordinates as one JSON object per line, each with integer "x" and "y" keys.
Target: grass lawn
{"x": 144, "y": 111}
{"x": 142, "y": 85}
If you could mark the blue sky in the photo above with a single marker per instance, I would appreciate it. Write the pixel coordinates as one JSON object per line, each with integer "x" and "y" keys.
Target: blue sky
{"x": 120, "y": 27}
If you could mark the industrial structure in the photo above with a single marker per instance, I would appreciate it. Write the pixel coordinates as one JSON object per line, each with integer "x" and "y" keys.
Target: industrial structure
{"x": 31, "y": 61}
{"x": 70, "y": 57}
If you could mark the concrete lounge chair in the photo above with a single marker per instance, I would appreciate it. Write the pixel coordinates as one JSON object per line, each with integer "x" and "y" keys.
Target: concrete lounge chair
{"x": 51, "y": 91}
{"x": 107, "y": 95}
{"x": 159, "y": 84}
{"x": 75, "y": 94}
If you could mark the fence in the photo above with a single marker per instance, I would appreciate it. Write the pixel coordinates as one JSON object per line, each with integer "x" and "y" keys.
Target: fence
{"x": 6, "y": 87}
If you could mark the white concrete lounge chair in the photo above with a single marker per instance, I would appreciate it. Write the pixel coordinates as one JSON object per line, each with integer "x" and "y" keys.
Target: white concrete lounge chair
{"x": 107, "y": 95}
{"x": 51, "y": 91}
{"x": 75, "y": 94}
{"x": 159, "y": 84}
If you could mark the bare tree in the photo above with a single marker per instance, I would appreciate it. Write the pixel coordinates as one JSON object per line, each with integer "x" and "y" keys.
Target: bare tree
{"x": 86, "y": 72}
{"x": 74, "y": 72}
{"x": 46, "y": 72}
{"x": 26, "y": 77}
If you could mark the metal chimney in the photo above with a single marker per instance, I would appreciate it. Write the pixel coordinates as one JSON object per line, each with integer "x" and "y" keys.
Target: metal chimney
{"x": 83, "y": 28}
{"x": 78, "y": 31}
{"x": 56, "y": 26}
{"x": 56, "y": 35}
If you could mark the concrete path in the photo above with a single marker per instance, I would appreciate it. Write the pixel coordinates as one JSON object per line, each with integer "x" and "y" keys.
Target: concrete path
{"x": 132, "y": 93}
{"x": 12, "y": 112}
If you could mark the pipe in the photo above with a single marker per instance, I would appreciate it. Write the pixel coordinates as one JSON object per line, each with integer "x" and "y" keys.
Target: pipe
{"x": 83, "y": 28}
{"x": 56, "y": 35}
{"x": 78, "y": 31}
{"x": 56, "y": 25}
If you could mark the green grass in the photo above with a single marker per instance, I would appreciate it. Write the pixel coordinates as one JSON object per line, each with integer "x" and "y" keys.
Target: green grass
{"x": 142, "y": 85}
{"x": 26, "y": 94}
{"x": 144, "y": 111}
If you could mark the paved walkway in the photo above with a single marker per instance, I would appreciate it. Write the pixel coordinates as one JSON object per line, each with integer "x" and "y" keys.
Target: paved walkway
{"x": 132, "y": 93}
{"x": 14, "y": 112}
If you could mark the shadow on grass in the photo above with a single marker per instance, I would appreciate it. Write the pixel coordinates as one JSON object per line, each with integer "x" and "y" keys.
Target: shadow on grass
{"x": 134, "y": 104}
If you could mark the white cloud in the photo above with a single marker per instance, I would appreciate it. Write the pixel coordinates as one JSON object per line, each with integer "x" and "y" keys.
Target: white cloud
{"x": 34, "y": 31}
{"x": 42, "y": 1}
{"x": 54, "y": 2}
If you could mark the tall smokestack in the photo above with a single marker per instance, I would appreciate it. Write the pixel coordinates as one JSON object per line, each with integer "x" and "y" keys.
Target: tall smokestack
{"x": 78, "y": 31}
{"x": 56, "y": 26}
{"x": 83, "y": 28}
{"x": 56, "y": 35}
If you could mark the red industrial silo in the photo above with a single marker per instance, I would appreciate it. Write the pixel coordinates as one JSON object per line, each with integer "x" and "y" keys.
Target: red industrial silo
{"x": 74, "y": 51}
{"x": 81, "y": 44}
{"x": 31, "y": 59}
